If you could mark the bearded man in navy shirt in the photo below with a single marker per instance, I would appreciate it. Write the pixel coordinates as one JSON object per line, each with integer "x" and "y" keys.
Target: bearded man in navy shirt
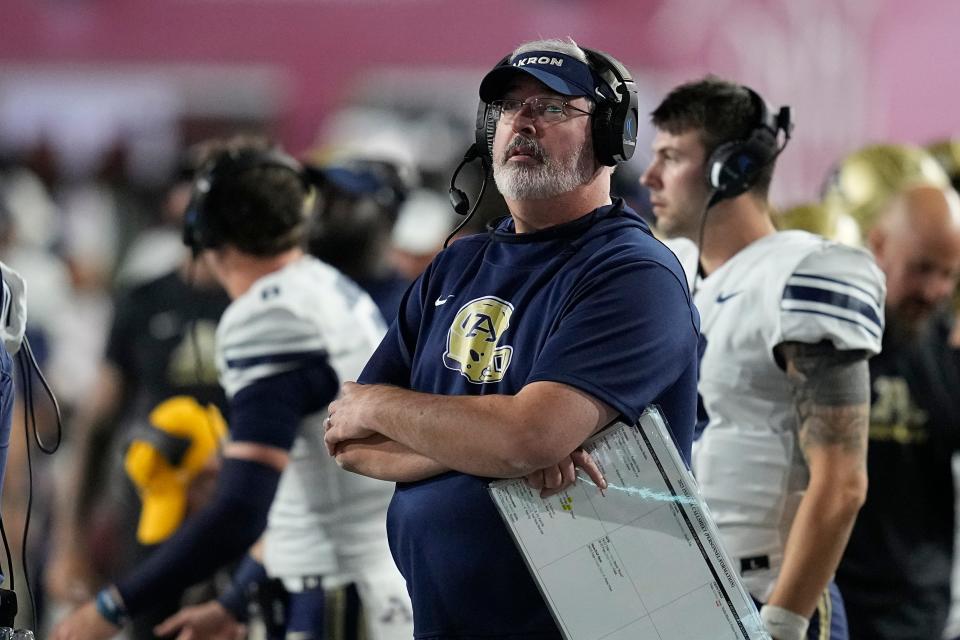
{"x": 517, "y": 345}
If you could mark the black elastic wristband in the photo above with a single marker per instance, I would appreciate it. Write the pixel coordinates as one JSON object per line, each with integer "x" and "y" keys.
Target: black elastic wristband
{"x": 235, "y": 598}
{"x": 111, "y": 607}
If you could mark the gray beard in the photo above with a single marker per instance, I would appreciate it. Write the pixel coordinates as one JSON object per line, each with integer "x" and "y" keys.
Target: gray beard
{"x": 549, "y": 178}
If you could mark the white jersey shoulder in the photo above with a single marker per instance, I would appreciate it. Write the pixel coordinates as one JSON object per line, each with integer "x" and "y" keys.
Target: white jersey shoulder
{"x": 687, "y": 253}
{"x": 304, "y": 311}
{"x": 836, "y": 292}
{"x": 798, "y": 287}
{"x": 789, "y": 286}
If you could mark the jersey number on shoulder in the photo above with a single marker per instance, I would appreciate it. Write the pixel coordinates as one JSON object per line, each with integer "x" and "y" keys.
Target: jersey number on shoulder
{"x": 273, "y": 291}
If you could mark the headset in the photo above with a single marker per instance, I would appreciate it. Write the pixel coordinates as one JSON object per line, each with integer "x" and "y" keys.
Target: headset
{"x": 734, "y": 166}
{"x": 613, "y": 125}
{"x": 199, "y": 229}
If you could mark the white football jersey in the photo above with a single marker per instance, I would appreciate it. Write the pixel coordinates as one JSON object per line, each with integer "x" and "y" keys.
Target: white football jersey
{"x": 324, "y": 520}
{"x": 790, "y": 286}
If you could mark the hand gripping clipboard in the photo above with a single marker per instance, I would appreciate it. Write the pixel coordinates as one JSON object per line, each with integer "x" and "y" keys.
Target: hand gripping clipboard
{"x": 644, "y": 561}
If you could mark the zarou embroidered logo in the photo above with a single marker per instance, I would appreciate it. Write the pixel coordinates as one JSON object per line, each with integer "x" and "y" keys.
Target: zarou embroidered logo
{"x": 473, "y": 338}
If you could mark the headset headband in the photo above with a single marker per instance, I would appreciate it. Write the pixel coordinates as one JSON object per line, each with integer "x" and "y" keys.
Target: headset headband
{"x": 614, "y": 120}
{"x": 198, "y": 231}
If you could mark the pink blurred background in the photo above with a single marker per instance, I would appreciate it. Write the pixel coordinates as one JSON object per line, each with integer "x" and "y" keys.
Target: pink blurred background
{"x": 855, "y": 71}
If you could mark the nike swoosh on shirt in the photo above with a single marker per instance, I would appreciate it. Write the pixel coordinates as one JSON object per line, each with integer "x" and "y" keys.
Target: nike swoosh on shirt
{"x": 440, "y": 301}
{"x": 721, "y": 298}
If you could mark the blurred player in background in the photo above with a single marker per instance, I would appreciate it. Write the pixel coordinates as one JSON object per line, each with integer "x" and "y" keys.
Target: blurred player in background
{"x": 895, "y": 573}
{"x": 294, "y": 329}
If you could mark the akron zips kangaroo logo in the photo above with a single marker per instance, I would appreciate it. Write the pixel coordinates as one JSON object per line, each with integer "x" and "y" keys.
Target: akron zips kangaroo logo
{"x": 473, "y": 340}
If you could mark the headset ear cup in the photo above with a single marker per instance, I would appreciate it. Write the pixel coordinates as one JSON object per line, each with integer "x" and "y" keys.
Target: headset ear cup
{"x": 733, "y": 167}
{"x": 484, "y": 130}
{"x": 604, "y": 142}
{"x": 717, "y": 177}
{"x": 490, "y": 129}
{"x": 194, "y": 219}
{"x": 615, "y": 135}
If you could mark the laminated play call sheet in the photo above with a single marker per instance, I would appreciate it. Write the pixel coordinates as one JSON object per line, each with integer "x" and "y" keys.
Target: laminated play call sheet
{"x": 644, "y": 561}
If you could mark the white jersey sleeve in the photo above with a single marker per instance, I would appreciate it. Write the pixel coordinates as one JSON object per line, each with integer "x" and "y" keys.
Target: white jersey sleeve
{"x": 263, "y": 339}
{"x": 835, "y": 293}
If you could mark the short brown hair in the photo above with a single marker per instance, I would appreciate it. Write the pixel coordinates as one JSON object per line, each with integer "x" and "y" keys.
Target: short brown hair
{"x": 720, "y": 111}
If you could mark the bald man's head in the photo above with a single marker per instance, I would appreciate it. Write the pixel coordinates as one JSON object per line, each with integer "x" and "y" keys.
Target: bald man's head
{"x": 916, "y": 242}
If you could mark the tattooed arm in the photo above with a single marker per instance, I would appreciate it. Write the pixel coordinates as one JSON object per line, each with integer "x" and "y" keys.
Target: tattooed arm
{"x": 832, "y": 399}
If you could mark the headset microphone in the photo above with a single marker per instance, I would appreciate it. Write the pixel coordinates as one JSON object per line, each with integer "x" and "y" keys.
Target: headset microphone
{"x": 459, "y": 199}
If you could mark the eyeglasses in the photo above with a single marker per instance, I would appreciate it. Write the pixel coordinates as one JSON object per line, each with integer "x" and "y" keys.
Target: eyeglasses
{"x": 543, "y": 109}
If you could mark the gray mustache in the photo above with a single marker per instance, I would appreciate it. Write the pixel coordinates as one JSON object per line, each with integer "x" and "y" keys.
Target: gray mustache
{"x": 519, "y": 141}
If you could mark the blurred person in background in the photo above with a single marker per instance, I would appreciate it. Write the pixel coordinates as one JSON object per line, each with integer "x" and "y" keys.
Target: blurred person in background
{"x": 29, "y": 231}
{"x": 947, "y": 153}
{"x": 13, "y": 317}
{"x": 790, "y": 320}
{"x": 294, "y": 328}
{"x": 895, "y": 573}
{"x": 358, "y": 202}
{"x": 13, "y": 320}
{"x": 424, "y": 222}
{"x": 67, "y": 327}
{"x": 158, "y": 248}
{"x": 160, "y": 345}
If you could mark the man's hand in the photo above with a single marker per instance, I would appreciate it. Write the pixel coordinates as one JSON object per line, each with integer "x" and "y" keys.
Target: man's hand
{"x": 210, "y": 621}
{"x": 552, "y": 480}
{"x": 347, "y": 415}
{"x": 84, "y": 623}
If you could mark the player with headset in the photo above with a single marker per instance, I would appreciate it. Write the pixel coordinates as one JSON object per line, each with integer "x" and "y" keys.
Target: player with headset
{"x": 790, "y": 320}
{"x": 295, "y": 328}
{"x": 516, "y": 345}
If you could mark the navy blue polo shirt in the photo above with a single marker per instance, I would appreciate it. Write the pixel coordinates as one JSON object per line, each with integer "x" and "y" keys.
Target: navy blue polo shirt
{"x": 598, "y": 304}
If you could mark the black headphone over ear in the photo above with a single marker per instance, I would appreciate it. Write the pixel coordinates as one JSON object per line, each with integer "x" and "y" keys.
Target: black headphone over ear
{"x": 733, "y": 167}
{"x": 614, "y": 123}
{"x": 200, "y": 231}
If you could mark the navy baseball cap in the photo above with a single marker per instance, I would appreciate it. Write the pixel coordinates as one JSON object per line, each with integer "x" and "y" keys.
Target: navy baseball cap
{"x": 560, "y": 72}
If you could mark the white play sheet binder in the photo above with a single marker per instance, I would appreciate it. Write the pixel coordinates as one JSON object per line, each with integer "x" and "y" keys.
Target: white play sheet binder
{"x": 643, "y": 562}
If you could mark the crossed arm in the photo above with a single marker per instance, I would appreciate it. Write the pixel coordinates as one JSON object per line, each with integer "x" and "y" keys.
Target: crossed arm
{"x": 832, "y": 399}
{"x": 401, "y": 435}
